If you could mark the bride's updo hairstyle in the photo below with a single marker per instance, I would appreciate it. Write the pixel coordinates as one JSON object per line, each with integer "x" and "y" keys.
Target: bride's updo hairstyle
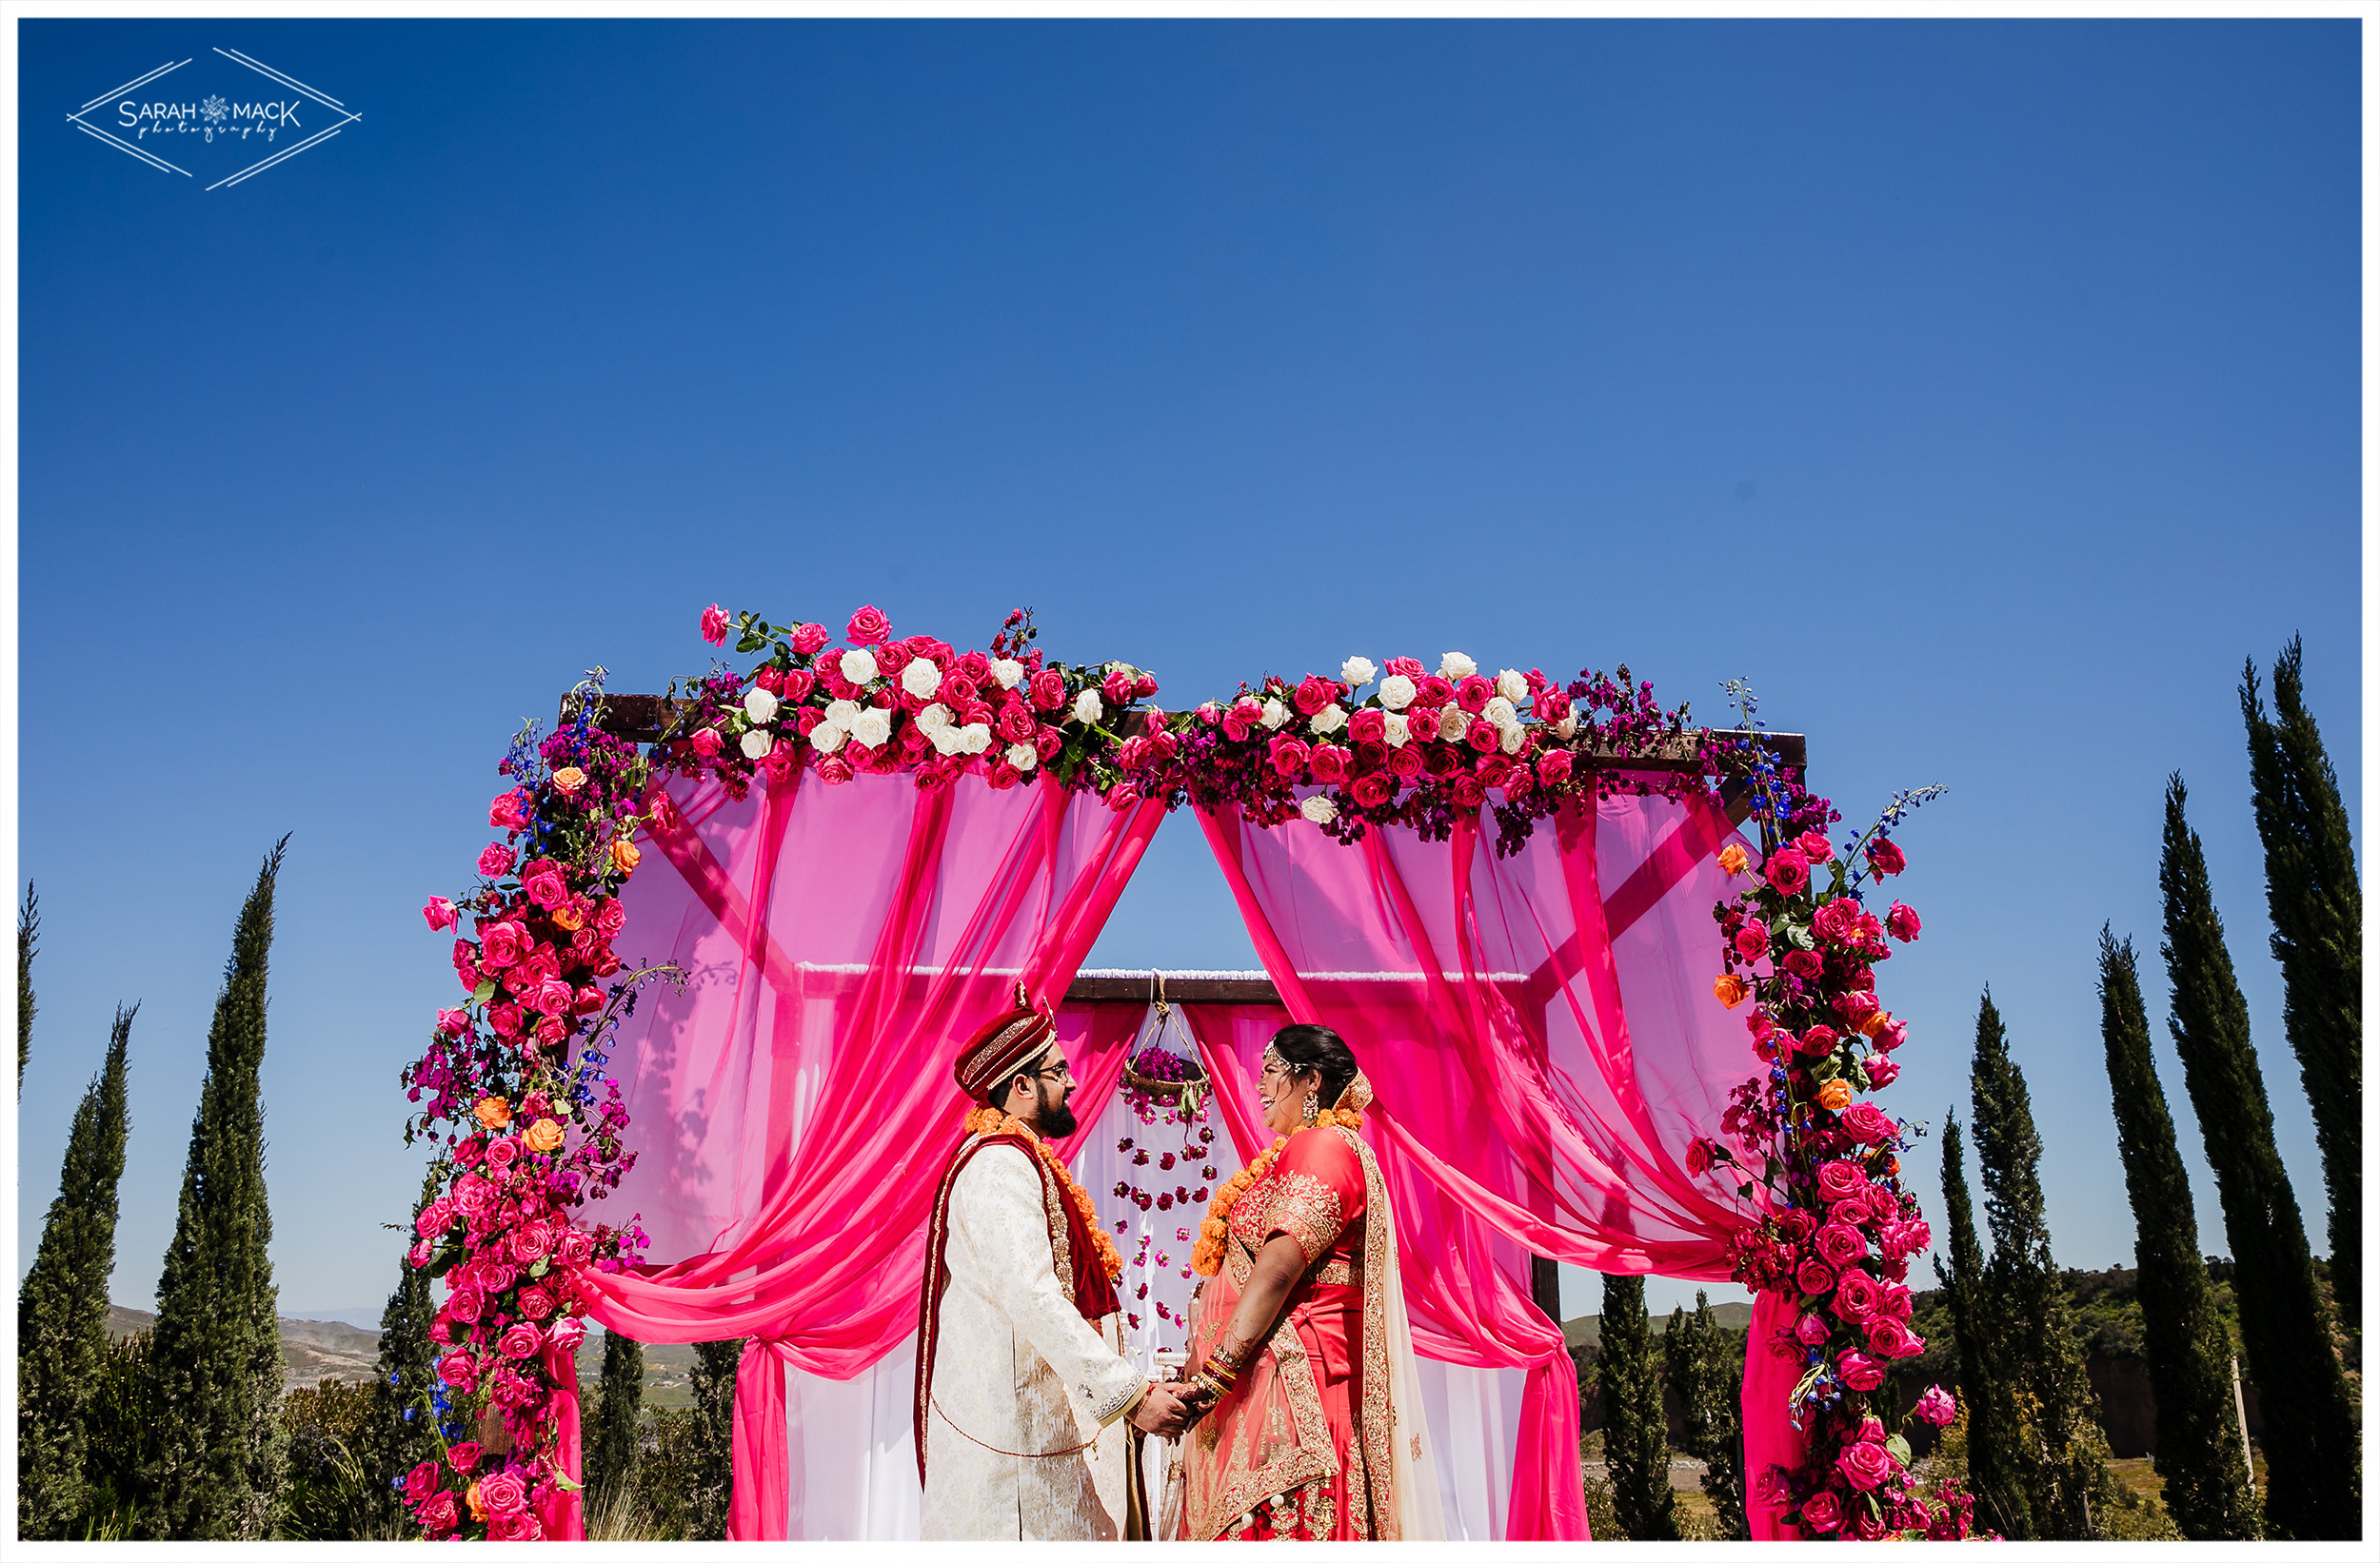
{"x": 1316, "y": 1048}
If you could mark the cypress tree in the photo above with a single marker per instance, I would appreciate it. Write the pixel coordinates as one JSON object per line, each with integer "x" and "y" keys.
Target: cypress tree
{"x": 2312, "y": 1490}
{"x": 611, "y": 1447}
{"x": 1635, "y": 1432}
{"x": 1706, "y": 1366}
{"x": 61, "y": 1311}
{"x": 215, "y": 1458}
{"x": 2317, "y": 905}
{"x": 2206, "y": 1489}
{"x": 403, "y": 1435}
{"x": 2060, "y": 1455}
{"x": 714, "y": 1438}
{"x": 28, "y": 945}
{"x": 1985, "y": 1393}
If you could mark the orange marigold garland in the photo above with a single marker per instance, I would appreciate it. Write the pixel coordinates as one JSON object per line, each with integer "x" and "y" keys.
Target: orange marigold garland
{"x": 1206, "y": 1257}
{"x": 991, "y": 1120}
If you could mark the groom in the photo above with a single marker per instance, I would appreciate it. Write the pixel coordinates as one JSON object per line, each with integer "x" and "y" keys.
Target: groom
{"x": 1021, "y": 1381}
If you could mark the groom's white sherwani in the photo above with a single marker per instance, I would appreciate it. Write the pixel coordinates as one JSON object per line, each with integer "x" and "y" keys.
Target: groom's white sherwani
{"x": 1009, "y": 1368}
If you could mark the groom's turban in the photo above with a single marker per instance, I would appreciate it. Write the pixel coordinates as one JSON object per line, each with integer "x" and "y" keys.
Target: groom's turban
{"x": 1006, "y": 1045}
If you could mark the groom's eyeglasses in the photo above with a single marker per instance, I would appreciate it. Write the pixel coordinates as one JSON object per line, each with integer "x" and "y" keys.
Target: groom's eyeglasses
{"x": 1061, "y": 1073}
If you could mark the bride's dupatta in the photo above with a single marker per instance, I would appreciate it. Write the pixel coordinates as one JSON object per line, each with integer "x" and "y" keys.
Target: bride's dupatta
{"x": 1268, "y": 1437}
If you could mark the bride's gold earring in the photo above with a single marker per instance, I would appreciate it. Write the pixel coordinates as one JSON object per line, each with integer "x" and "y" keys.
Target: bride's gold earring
{"x": 1311, "y": 1109}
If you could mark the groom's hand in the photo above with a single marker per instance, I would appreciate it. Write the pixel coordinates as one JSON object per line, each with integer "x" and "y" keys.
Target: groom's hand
{"x": 1161, "y": 1412}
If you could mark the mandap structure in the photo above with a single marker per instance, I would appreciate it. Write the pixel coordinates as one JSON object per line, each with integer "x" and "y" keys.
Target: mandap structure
{"x": 1610, "y": 977}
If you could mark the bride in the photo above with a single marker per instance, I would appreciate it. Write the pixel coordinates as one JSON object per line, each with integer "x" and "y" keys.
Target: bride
{"x": 1299, "y": 1341}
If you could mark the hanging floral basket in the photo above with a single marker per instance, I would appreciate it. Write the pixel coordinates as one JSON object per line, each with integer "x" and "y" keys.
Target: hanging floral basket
{"x": 1167, "y": 1079}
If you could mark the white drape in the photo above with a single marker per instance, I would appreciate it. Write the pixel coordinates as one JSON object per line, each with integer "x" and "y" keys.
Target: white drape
{"x": 855, "y": 1474}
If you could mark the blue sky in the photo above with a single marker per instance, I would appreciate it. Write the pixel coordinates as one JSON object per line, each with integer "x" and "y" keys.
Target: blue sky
{"x": 1984, "y": 393}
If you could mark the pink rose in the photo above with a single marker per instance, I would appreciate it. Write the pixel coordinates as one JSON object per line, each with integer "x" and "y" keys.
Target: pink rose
{"x": 1287, "y": 754}
{"x": 1313, "y": 692}
{"x": 1813, "y": 846}
{"x": 1372, "y": 791}
{"x": 1865, "y": 1122}
{"x": 473, "y": 1195}
{"x": 1935, "y": 1406}
{"x": 1811, "y": 1330}
{"x": 464, "y": 1457}
{"x": 1483, "y": 735}
{"x": 495, "y": 860}
{"x": 1856, "y": 1297}
{"x": 1885, "y": 858}
{"x": 1330, "y": 763}
{"x": 868, "y": 627}
{"x": 510, "y": 811}
{"x": 503, "y": 1493}
{"x": 706, "y": 743}
{"x": 500, "y": 944}
{"x": 421, "y": 1481}
{"x": 1882, "y": 1072}
{"x": 1752, "y": 940}
{"x": 1858, "y": 1371}
{"x": 1818, "y": 1041}
{"x": 715, "y": 624}
{"x": 1047, "y": 690}
{"x": 1840, "y": 1180}
{"x": 577, "y": 1247}
{"x": 458, "y": 1369}
{"x": 436, "y": 1217}
{"x": 565, "y": 1335}
{"x": 1813, "y": 1278}
{"x": 1474, "y": 693}
{"x": 1894, "y": 1033}
{"x": 1902, "y": 923}
{"x": 1889, "y": 1336}
{"x": 1864, "y": 1465}
{"x": 1469, "y": 791}
{"x": 504, "y": 1019}
{"x": 502, "y": 1154}
{"x": 1883, "y": 1202}
{"x": 453, "y": 1023}
{"x": 438, "y": 1513}
{"x": 439, "y": 912}
{"x": 537, "y": 1302}
{"x": 546, "y": 890}
{"x": 1788, "y": 870}
{"x": 418, "y": 1255}
{"x": 1553, "y": 769}
{"x": 1116, "y": 689}
{"x": 1552, "y": 705}
{"x": 531, "y": 1243}
{"x": 808, "y": 638}
{"x": 1837, "y": 921}
{"x": 1804, "y": 963}
{"x": 1840, "y": 1245}
{"x": 553, "y": 997}
{"x": 513, "y": 1525}
{"x": 1822, "y": 1512}
{"x": 1369, "y": 725}
{"x": 466, "y": 1304}
{"x": 520, "y": 1341}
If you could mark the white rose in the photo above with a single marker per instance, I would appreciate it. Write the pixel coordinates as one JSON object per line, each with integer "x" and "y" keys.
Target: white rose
{"x": 1513, "y": 685}
{"x": 975, "y": 737}
{"x": 1328, "y": 719}
{"x": 859, "y": 664}
{"x": 921, "y": 678}
{"x": 826, "y": 737}
{"x": 933, "y": 719}
{"x": 1396, "y": 729}
{"x": 1397, "y": 691}
{"x": 1567, "y": 728}
{"x": 1023, "y": 756}
{"x": 1089, "y": 707}
{"x": 873, "y": 727}
{"x": 1319, "y": 809}
{"x": 1456, "y": 667}
{"x": 1499, "y": 711}
{"x": 1513, "y": 738}
{"x": 948, "y": 740}
{"x": 1356, "y": 672}
{"x": 760, "y": 704}
{"x": 1008, "y": 672}
{"x": 755, "y": 744}
{"x": 1452, "y": 722}
{"x": 1276, "y": 715}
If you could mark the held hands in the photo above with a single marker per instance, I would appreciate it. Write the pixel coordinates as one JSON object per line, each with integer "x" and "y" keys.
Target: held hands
{"x": 1163, "y": 1411}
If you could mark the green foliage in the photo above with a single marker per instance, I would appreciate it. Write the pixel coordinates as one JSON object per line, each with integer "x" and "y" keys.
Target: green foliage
{"x": 1706, "y": 1367}
{"x": 62, "y": 1308}
{"x": 1987, "y": 1426}
{"x": 2314, "y": 1489}
{"x": 1635, "y": 1432}
{"x": 611, "y": 1445}
{"x": 399, "y": 1435}
{"x": 28, "y": 946}
{"x": 713, "y": 1458}
{"x": 2187, "y": 1349}
{"x": 116, "y": 1420}
{"x": 2317, "y": 907}
{"x": 329, "y": 1488}
{"x": 2055, "y": 1452}
{"x": 215, "y": 1452}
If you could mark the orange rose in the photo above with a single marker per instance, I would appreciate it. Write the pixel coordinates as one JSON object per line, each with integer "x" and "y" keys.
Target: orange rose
{"x": 625, "y": 856}
{"x": 492, "y": 1112}
{"x": 470, "y": 1496}
{"x": 569, "y": 780}
{"x": 1731, "y": 990}
{"x": 1732, "y": 858}
{"x": 571, "y": 918}
{"x": 1835, "y": 1095}
{"x": 543, "y": 1137}
{"x": 1875, "y": 1024}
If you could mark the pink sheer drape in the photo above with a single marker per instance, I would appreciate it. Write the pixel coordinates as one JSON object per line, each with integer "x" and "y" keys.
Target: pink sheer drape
{"x": 793, "y": 1104}
{"x": 1466, "y": 1286}
{"x": 1541, "y": 1034}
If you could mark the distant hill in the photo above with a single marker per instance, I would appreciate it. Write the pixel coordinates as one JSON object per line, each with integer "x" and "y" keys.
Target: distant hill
{"x": 1587, "y": 1333}
{"x": 312, "y": 1349}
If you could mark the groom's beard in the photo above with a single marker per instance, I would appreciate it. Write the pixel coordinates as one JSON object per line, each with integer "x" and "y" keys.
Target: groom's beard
{"x": 1057, "y": 1119}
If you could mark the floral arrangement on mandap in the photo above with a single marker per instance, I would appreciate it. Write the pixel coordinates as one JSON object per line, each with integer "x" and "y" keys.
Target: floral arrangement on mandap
{"x": 513, "y": 1089}
{"x": 1801, "y": 947}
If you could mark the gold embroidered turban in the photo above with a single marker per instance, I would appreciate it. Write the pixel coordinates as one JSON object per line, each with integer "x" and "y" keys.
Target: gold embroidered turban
{"x": 1006, "y": 1044}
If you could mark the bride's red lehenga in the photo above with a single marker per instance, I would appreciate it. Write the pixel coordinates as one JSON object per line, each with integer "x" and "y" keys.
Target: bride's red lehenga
{"x": 1302, "y": 1449}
